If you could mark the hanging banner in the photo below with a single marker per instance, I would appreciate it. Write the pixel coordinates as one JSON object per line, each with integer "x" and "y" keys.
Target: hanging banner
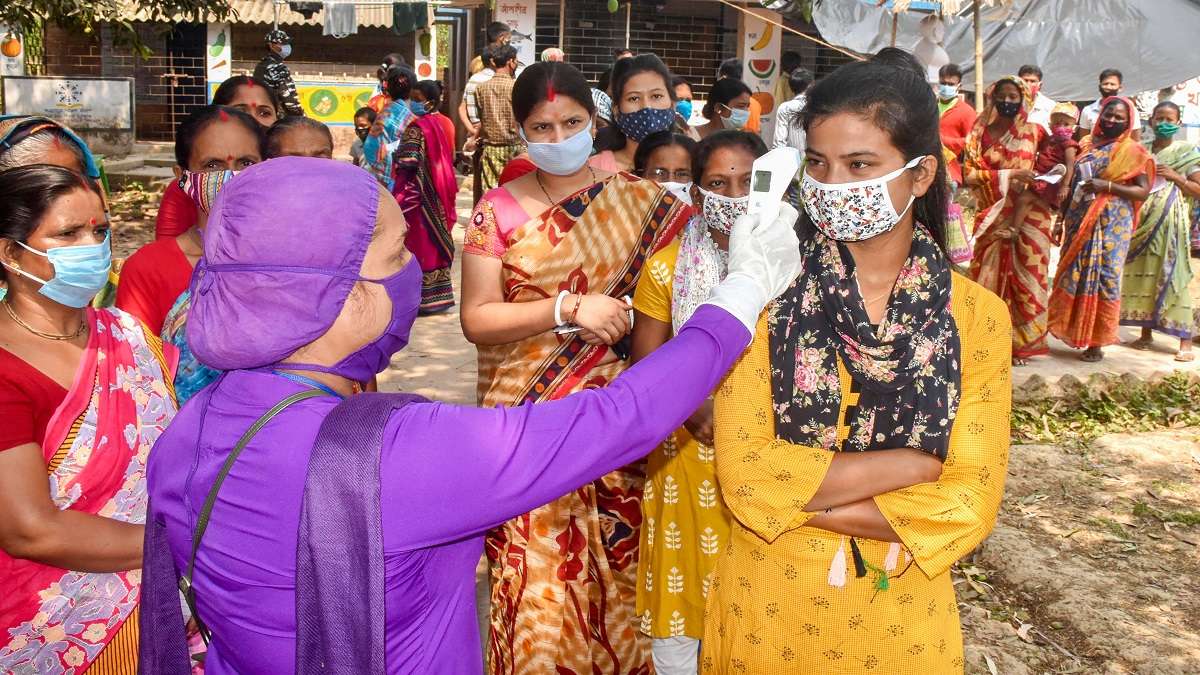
{"x": 218, "y": 52}
{"x": 12, "y": 52}
{"x": 759, "y": 47}
{"x": 333, "y": 103}
{"x": 521, "y": 17}
{"x": 425, "y": 56}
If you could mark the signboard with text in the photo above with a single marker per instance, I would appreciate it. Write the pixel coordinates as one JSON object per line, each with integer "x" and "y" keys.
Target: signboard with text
{"x": 521, "y": 17}
{"x": 79, "y": 102}
{"x": 759, "y": 49}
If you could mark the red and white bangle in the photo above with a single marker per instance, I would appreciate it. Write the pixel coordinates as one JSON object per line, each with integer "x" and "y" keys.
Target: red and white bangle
{"x": 558, "y": 320}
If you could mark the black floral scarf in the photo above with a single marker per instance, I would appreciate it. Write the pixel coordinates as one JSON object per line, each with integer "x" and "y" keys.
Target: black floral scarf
{"x": 906, "y": 369}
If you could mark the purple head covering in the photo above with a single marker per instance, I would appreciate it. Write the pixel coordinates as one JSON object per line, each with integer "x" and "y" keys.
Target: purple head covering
{"x": 282, "y": 250}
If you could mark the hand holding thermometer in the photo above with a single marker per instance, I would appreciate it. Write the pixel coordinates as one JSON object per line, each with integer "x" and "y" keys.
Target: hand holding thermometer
{"x": 771, "y": 175}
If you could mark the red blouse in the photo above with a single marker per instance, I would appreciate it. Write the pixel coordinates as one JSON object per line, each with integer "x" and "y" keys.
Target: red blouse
{"x": 152, "y": 280}
{"x": 28, "y": 399}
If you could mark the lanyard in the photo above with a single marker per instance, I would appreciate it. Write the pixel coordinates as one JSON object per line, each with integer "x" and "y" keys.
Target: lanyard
{"x": 300, "y": 379}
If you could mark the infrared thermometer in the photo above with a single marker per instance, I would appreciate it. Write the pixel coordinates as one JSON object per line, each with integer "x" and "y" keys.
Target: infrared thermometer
{"x": 770, "y": 177}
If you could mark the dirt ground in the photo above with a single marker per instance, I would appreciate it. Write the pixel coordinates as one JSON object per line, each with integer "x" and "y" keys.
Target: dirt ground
{"x": 1094, "y": 566}
{"x": 132, "y": 213}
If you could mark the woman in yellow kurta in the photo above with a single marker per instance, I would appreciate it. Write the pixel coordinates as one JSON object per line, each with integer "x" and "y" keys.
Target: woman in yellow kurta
{"x": 862, "y": 441}
{"x": 685, "y": 522}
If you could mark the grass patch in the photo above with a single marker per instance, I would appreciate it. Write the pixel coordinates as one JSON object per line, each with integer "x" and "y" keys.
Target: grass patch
{"x": 1168, "y": 403}
{"x": 1144, "y": 510}
{"x": 1112, "y": 527}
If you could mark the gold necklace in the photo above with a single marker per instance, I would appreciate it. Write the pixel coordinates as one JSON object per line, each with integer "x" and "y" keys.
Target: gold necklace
{"x": 537, "y": 173}
{"x": 49, "y": 336}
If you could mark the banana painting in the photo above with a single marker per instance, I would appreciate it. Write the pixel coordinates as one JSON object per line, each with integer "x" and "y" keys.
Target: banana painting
{"x": 765, "y": 38}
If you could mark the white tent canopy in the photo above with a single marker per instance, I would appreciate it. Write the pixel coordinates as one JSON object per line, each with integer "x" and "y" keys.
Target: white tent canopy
{"x": 1152, "y": 42}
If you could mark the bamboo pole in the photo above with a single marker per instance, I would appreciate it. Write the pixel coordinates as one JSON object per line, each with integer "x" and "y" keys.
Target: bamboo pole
{"x": 895, "y": 25}
{"x": 562, "y": 24}
{"x": 628, "y": 15}
{"x": 978, "y": 57}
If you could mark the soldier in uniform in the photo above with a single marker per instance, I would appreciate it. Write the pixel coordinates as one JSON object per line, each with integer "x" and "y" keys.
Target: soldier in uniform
{"x": 275, "y": 75}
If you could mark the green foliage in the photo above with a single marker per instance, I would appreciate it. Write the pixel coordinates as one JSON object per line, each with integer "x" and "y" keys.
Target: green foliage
{"x": 85, "y": 16}
{"x": 1168, "y": 403}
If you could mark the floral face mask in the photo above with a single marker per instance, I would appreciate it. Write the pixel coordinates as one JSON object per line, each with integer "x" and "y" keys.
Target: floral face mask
{"x": 720, "y": 211}
{"x": 854, "y": 211}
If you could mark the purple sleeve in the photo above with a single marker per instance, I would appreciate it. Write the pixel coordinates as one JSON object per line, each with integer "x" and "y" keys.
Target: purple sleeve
{"x": 451, "y": 471}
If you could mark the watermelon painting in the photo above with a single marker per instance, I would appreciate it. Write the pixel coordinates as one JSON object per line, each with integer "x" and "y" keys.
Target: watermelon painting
{"x": 762, "y": 68}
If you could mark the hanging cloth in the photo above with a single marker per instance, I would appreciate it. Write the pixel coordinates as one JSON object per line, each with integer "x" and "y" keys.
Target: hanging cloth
{"x": 409, "y": 17}
{"x": 341, "y": 19}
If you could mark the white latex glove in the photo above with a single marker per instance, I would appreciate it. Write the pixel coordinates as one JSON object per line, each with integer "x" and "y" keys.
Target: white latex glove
{"x": 764, "y": 259}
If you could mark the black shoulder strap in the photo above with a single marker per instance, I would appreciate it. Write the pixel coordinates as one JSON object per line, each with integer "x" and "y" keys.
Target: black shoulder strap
{"x": 185, "y": 582}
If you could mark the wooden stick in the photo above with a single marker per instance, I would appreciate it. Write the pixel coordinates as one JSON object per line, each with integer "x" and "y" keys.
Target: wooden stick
{"x": 979, "y": 85}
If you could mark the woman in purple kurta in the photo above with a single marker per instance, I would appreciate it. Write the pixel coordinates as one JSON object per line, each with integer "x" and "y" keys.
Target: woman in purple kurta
{"x": 347, "y": 521}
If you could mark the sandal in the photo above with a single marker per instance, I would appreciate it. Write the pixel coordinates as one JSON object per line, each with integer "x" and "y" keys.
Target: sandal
{"x": 1185, "y": 357}
{"x": 1142, "y": 344}
{"x": 1092, "y": 355}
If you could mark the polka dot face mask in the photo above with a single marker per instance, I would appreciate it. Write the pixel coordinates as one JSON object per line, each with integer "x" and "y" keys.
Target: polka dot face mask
{"x": 638, "y": 125}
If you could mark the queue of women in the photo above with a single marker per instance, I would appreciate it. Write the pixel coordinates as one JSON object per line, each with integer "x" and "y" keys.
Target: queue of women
{"x": 668, "y": 471}
{"x": 1121, "y": 210}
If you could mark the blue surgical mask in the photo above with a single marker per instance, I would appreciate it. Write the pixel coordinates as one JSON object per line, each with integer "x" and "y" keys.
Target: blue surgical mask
{"x": 563, "y": 158}
{"x": 80, "y": 272}
{"x": 947, "y": 91}
{"x": 640, "y": 124}
{"x": 285, "y": 51}
{"x": 684, "y": 108}
{"x": 737, "y": 118}
{"x": 419, "y": 108}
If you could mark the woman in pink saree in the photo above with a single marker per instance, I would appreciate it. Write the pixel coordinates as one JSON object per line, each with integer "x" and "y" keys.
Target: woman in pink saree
{"x": 84, "y": 394}
{"x": 425, "y": 187}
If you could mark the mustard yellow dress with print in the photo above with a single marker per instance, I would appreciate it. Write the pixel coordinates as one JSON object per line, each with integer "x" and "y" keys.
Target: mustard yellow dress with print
{"x": 771, "y": 608}
{"x": 685, "y": 524}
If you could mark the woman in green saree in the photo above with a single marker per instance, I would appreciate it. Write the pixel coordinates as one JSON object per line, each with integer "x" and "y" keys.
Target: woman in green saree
{"x": 1155, "y": 286}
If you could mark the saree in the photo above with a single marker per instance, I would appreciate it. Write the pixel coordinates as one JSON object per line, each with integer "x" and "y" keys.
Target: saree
{"x": 1016, "y": 269}
{"x": 378, "y": 148}
{"x": 1085, "y": 305}
{"x": 1154, "y": 286}
{"x": 191, "y": 376}
{"x": 54, "y": 620}
{"x": 425, "y": 188}
{"x": 564, "y": 575}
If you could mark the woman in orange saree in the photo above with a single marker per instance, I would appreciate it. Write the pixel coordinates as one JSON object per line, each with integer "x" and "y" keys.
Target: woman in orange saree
{"x": 1011, "y": 259}
{"x": 82, "y": 404}
{"x": 1112, "y": 178}
{"x": 564, "y": 575}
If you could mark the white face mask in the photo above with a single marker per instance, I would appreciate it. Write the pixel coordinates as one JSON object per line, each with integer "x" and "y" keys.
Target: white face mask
{"x": 720, "y": 211}
{"x": 680, "y": 190}
{"x": 854, "y": 211}
{"x": 563, "y": 158}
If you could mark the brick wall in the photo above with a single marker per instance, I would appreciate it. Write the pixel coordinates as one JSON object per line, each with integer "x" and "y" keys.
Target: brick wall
{"x": 68, "y": 53}
{"x": 167, "y": 85}
{"x": 688, "y": 36}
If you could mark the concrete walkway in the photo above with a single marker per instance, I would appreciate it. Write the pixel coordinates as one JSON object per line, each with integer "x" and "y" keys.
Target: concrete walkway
{"x": 440, "y": 363}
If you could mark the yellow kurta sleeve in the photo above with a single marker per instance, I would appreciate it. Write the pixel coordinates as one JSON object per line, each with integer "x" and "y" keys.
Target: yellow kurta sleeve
{"x": 943, "y": 521}
{"x": 765, "y": 481}
{"x": 653, "y": 294}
